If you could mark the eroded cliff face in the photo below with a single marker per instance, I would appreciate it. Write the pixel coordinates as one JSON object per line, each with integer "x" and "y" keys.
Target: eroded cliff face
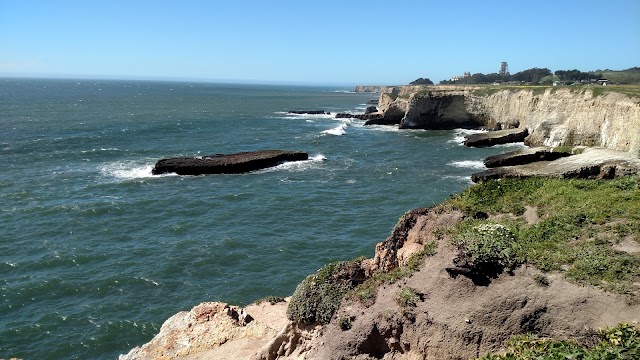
{"x": 554, "y": 117}
{"x": 566, "y": 117}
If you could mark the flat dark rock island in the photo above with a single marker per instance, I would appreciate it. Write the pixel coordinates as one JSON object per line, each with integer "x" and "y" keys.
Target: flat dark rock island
{"x": 227, "y": 164}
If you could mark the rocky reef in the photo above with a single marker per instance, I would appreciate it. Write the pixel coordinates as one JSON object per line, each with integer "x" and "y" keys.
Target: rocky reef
{"x": 226, "y": 164}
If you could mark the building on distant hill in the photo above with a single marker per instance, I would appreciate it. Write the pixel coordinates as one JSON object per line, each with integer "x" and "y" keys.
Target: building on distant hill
{"x": 466, "y": 74}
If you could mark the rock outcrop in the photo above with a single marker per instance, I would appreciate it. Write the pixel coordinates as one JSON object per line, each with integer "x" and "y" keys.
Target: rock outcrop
{"x": 436, "y": 110}
{"x": 214, "y": 330}
{"x": 592, "y": 163}
{"x": 371, "y": 109}
{"x": 491, "y": 138}
{"x": 524, "y": 156}
{"x": 227, "y": 164}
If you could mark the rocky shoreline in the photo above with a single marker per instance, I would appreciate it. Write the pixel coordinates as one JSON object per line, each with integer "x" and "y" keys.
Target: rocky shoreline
{"x": 465, "y": 313}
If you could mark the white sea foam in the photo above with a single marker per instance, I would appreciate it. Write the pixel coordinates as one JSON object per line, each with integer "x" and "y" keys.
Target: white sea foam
{"x": 338, "y": 130}
{"x": 129, "y": 171}
{"x": 298, "y": 165}
{"x": 468, "y": 164}
{"x": 286, "y": 115}
{"x": 101, "y": 149}
{"x": 385, "y": 128}
{"x": 517, "y": 144}
{"x": 462, "y": 179}
{"x": 461, "y": 134}
{"x": 147, "y": 280}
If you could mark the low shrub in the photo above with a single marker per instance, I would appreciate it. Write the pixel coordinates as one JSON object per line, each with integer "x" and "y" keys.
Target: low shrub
{"x": 407, "y": 297}
{"x": 317, "y": 297}
{"x": 486, "y": 246}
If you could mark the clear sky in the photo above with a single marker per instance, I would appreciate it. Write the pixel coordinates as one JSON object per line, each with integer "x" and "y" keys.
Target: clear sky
{"x": 314, "y": 42}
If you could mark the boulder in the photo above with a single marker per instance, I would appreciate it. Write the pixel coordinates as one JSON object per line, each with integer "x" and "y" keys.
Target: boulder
{"x": 382, "y": 120}
{"x": 525, "y": 156}
{"x": 491, "y": 138}
{"x": 227, "y": 164}
{"x": 371, "y": 109}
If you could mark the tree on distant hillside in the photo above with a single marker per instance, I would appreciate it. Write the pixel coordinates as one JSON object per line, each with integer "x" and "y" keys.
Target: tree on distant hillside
{"x": 421, "y": 81}
{"x": 533, "y": 75}
{"x": 576, "y": 75}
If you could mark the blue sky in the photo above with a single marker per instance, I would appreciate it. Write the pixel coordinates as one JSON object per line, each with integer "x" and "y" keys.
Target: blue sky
{"x": 312, "y": 42}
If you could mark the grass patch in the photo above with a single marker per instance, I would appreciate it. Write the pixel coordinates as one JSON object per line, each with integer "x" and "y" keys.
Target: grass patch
{"x": 563, "y": 149}
{"x": 579, "y": 219}
{"x": 620, "y": 342}
{"x": 407, "y": 297}
{"x": 366, "y": 292}
{"x": 541, "y": 280}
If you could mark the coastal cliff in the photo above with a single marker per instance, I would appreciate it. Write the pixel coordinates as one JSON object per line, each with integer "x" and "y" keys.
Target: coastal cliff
{"x": 453, "y": 281}
{"x": 552, "y": 116}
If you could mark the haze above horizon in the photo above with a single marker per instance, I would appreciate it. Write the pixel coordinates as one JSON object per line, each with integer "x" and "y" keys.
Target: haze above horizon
{"x": 313, "y": 42}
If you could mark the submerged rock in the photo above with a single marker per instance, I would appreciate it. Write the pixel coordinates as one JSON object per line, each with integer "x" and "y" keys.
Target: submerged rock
{"x": 491, "y": 138}
{"x": 227, "y": 164}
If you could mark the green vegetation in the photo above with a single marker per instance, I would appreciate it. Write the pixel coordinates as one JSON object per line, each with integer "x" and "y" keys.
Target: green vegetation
{"x": 563, "y": 149}
{"x": 541, "y": 280}
{"x": 421, "y": 81}
{"x": 392, "y": 96}
{"x": 579, "y": 222}
{"x": 366, "y": 292}
{"x": 486, "y": 246}
{"x": 407, "y": 297}
{"x": 270, "y": 299}
{"x": 345, "y": 323}
{"x": 620, "y": 342}
{"x": 318, "y": 296}
{"x": 628, "y": 76}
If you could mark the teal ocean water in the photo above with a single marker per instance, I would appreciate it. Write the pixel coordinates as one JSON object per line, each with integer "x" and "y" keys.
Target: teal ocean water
{"x": 95, "y": 252}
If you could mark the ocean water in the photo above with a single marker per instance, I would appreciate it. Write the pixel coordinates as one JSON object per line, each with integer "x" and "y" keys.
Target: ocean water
{"x": 95, "y": 252}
